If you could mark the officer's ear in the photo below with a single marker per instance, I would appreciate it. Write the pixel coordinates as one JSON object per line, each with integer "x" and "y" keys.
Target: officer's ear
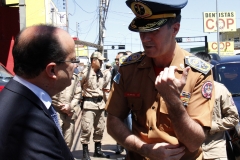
{"x": 176, "y": 28}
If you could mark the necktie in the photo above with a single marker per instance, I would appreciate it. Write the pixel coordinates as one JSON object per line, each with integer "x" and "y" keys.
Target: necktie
{"x": 55, "y": 118}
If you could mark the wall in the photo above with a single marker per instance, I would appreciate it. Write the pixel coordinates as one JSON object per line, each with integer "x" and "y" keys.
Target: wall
{"x": 9, "y": 28}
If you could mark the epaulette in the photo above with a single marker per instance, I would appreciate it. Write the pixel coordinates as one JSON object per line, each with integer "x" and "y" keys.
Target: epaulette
{"x": 133, "y": 58}
{"x": 198, "y": 64}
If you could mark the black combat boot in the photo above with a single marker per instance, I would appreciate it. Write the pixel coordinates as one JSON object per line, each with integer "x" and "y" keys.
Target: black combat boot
{"x": 98, "y": 151}
{"x": 85, "y": 152}
{"x": 119, "y": 149}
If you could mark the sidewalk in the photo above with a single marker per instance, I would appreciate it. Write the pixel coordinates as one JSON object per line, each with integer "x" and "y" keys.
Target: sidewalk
{"x": 108, "y": 144}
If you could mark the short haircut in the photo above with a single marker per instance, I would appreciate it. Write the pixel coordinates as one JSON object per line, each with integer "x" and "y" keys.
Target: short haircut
{"x": 204, "y": 56}
{"x": 32, "y": 53}
{"x": 107, "y": 67}
{"x": 124, "y": 53}
{"x": 129, "y": 52}
{"x": 172, "y": 21}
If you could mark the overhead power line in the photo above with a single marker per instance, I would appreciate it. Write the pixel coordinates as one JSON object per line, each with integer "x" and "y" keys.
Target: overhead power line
{"x": 83, "y": 9}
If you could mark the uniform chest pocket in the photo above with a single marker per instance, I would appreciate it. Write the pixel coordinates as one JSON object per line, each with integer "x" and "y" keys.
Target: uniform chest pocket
{"x": 135, "y": 104}
{"x": 92, "y": 82}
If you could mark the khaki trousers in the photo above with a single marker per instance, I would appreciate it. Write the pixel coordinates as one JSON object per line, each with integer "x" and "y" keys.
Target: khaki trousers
{"x": 92, "y": 118}
{"x": 68, "y": 126}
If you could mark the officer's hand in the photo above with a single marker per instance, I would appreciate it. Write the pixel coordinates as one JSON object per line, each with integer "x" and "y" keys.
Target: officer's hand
{"x": 165, "y": 151}
{"x": 166, "y": 82}
{"x": 66, "y": 109}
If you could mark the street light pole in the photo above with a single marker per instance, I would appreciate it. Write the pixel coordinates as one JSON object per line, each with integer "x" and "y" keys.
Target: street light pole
{"x": 217, "y": 28}
{"x": 22, "y": 14}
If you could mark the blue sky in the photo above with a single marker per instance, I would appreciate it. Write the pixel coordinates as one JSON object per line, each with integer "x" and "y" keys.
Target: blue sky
{"x": 119, "y": 16}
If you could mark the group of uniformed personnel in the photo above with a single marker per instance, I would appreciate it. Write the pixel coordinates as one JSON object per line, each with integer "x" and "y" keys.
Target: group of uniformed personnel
{"x": 169, "y": 92}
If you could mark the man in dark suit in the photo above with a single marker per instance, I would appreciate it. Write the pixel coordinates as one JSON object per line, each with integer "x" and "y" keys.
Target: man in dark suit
{"x": 44, "y": 61}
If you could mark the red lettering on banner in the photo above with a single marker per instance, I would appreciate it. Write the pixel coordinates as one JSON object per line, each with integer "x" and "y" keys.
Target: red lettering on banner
{"x": 221, "y": 45}
{"x": 213, "y": 46}
{"x": 228, "y": 44}
{"x": 208, "y": 23}
{"x": 221, "y": 23}
{"x": 229, "y": 22}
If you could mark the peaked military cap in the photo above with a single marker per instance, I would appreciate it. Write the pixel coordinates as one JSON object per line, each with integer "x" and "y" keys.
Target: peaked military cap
{"x": 153, "y": 14}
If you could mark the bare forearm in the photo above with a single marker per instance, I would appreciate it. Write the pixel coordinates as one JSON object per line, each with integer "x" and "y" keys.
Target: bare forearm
{"x": 189, "y": 132}
{"x": 122, "y": 135}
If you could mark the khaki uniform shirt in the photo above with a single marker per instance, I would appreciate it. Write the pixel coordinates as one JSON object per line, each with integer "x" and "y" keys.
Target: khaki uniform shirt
{"x": 136, "y": 91}
{"x": 225, "y": 116}
{"x": 70, "y": 95}
{"x": 92, "y": 85}
{"x": 107, "y": 79}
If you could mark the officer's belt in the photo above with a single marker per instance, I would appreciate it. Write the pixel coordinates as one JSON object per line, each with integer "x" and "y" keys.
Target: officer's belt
{"x": 93, "y": 99}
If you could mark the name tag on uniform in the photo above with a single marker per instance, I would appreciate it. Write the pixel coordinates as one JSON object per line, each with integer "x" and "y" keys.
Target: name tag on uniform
{"x": 128, "y": 94}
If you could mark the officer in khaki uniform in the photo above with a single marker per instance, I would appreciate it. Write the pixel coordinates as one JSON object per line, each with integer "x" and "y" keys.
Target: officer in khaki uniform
{"x": 67, "y": 106}
{"x": 169, "y": 91}
{"x": 92, "y": 83}
{"x": 225, "y": 117}
{"x": 107, "y": 80}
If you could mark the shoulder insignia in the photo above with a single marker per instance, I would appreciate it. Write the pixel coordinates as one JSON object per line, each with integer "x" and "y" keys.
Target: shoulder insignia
{"x": 133, "y": 58}
{"x": 198, "y": 64}
{"x": 207, "y": 89}
{"x": 117, "y": 78}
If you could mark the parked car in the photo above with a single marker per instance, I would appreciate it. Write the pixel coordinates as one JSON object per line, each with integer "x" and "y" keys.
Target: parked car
{"x": 226, "y": 70}
{"x": 5, "y": 76}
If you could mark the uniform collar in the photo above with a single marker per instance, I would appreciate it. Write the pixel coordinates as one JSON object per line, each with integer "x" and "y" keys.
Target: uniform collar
{"x": 178, "y": 59}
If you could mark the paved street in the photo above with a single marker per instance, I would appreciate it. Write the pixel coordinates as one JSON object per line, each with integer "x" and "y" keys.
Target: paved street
{"x": 108, "y": 144}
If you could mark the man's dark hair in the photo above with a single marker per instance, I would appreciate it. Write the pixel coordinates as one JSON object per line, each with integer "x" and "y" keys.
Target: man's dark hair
{"x": 172, "y": 21}
{"x": 124, "y": 53}
{"x": 32, "y": 53}
{"x": 204, "y": 56}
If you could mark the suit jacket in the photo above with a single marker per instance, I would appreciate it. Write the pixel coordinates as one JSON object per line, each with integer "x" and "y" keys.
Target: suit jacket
{"x": 27, "y": 130}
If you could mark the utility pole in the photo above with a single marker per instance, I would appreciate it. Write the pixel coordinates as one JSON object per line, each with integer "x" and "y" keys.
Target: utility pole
{"x": 206, "y": 44}
{"x": 22, "y": 14}
{"x": 100, "y": 41}
{"x": 52, "y": 10}
{"x": 77, "y": 28}
{"x": 67, "y": 23}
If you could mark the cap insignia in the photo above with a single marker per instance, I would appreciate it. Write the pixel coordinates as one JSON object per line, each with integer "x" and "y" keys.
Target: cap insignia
{"x": 198, "y": 64}
{"x": 141, "y": 10}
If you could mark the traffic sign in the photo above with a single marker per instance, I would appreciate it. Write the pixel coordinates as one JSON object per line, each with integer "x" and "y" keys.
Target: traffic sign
{"x": 179, "y": 39}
